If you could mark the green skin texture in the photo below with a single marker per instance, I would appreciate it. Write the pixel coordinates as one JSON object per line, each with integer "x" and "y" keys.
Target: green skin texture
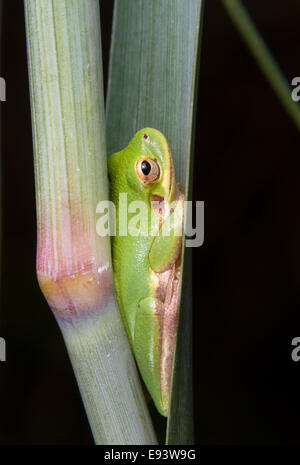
{"x": 138, "y": 259}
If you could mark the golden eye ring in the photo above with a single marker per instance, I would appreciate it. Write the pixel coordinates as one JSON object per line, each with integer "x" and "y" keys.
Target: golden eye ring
{"x": 147, "y": 170}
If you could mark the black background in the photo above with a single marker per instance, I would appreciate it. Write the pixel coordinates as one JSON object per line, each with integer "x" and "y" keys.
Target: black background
{"x": 246, "y": 275}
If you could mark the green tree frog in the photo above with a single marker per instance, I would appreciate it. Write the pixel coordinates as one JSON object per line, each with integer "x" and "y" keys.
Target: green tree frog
{"x": 147, "y": 265}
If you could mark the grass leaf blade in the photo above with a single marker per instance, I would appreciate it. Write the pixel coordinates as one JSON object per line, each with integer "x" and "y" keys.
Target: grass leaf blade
{"x": 152, "y": 83}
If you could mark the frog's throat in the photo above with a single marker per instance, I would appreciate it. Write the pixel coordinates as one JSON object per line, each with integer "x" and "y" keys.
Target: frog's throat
{"x": 171, "y": 195}
{"x": 166, "y": 190}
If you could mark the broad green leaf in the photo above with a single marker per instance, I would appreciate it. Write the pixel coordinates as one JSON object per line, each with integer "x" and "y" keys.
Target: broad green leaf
{"x": 152, "y": 83}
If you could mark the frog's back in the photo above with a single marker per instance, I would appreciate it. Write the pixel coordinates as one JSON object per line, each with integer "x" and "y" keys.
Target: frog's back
{"x": 132, "y": 274}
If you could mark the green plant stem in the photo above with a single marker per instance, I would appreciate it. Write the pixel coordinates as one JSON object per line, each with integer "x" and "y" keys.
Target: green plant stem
{"x": 263, "y": 57}
{"x": 73, "y": 262}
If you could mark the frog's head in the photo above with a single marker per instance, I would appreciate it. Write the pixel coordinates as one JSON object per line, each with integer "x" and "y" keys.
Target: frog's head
{"x": 145, "y": 166}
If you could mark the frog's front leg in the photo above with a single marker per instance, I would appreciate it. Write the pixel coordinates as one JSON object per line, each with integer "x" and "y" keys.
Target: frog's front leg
{"x": 148, "y": 333}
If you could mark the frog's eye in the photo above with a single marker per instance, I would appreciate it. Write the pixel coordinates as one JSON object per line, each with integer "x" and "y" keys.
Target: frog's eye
{"x": 147, "y": 170}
